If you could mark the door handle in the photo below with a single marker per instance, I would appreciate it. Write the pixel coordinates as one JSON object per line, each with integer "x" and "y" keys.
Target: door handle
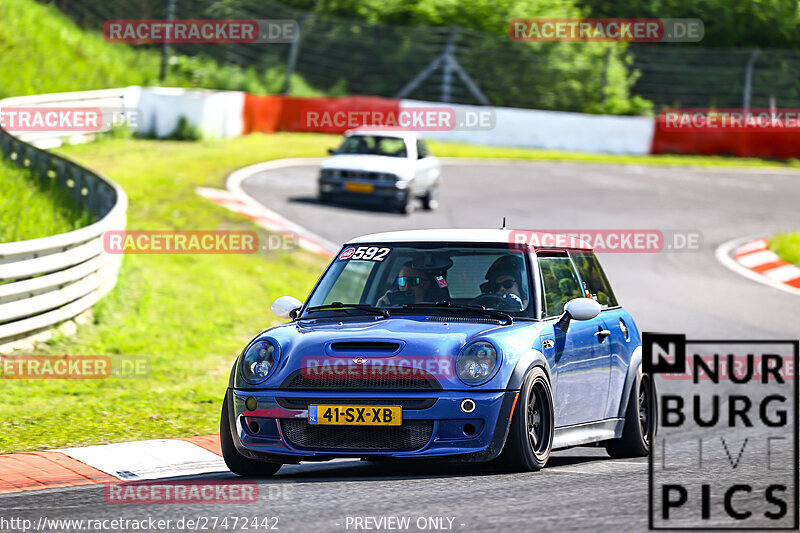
{"x": 602, "y": 334}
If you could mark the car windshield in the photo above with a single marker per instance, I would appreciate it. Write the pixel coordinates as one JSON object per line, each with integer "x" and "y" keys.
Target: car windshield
{"x": 425, "y": 278}
{"x": 373, "y": 145}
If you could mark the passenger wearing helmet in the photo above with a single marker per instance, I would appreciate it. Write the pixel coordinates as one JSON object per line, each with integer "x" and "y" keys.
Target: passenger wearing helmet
{"x": 505, "y": 280}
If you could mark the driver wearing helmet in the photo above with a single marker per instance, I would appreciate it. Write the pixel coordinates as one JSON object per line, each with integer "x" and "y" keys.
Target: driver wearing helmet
{"x": 420, "y": 280}
{"x": 408, "y": 280}
{"x": 505, "y": 280}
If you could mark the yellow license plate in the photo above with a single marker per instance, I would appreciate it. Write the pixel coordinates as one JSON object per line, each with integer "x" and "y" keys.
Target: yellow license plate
{"x": 359, "y": 187}
{"x": 355, "y": 415}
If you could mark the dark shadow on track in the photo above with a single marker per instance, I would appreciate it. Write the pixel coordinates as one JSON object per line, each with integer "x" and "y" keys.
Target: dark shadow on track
{"x": 365, "y": 207}
{"x": 356, "y": 470}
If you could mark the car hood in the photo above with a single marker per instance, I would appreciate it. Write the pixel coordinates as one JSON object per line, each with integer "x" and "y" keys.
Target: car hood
{"x": 417, "y": 339}
{"x": 368, "y": 163}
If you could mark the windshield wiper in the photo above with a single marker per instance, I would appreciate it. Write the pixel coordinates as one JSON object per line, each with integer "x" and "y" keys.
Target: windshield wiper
{"x": 339, "y": 305}
{"x": 474, "y": 308}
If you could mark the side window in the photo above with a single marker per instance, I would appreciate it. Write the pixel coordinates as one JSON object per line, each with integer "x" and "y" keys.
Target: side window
{"x": 595, "y": 283}
{"x": 559, "y": 280}
{"x": 422, "y": 149}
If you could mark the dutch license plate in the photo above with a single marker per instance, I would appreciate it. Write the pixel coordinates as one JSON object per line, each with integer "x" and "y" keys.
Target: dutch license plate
{"x": 359, "y": 187}
{"x": 355, "y": 415}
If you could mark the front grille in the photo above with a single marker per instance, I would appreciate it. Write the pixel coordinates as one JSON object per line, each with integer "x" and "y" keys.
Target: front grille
{"x": 406, "y": 403}
{"x": 411, "y": 435}
{"x": 361, "y": 377}
{"x": 360, "y": 174}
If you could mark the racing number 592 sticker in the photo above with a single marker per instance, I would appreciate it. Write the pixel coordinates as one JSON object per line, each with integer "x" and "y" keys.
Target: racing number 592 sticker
{"x": 365, "y": 253}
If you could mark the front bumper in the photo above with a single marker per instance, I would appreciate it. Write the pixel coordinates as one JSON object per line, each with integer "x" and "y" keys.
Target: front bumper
{"x": 382, "y": 191}
{"x": 262, "y": 434}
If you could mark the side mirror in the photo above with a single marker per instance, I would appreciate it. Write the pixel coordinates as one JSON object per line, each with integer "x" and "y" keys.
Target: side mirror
{"x": 578, "y": 309}
{"x": 331, "y": 151}
{"x": 286, "y": 306}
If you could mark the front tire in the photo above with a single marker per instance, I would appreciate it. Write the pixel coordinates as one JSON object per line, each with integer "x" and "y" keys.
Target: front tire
{"x": 530, "y": 438}
{"x": 431, "y": 199}
{"x": 236, "y": 462}
{"x": 641, "y": 421}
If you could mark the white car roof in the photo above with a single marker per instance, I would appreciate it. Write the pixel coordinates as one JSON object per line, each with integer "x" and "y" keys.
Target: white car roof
{"x": 533, "y": 239}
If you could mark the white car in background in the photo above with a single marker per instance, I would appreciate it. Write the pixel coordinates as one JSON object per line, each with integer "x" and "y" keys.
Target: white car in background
{"x": 381, "y": 167}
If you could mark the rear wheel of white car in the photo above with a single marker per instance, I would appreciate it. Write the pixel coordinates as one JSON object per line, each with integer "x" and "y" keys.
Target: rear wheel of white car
{"x": 530, "y": 438}
{"x": 431, "y": 199}
{"x": 641, "y": 419}
{"x": 236, "y": 462}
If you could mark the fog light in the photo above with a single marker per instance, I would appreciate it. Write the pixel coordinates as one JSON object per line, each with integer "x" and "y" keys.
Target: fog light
{"x": 467, "y": 405}
{"x": 254, "y": 426}
{"x": 251, "y": 403}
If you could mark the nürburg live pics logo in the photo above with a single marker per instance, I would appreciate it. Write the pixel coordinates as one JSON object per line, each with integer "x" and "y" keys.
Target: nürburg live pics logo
{"x": 726, "y": 455}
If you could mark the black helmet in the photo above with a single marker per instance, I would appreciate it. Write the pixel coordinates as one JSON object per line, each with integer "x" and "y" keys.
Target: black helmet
{"x": 508, "y": 265}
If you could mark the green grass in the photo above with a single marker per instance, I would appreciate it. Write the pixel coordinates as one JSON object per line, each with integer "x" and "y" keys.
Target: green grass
{"x": 786, "y": 246}
{"x": 43, "y": 51}
{"x": 30, "y": 209}
{"x": 188, "y": 314}
{"x": 468, "y": 150}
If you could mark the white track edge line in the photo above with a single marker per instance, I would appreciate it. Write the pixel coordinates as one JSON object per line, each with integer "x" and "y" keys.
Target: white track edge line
{"x": 234, "y": 184}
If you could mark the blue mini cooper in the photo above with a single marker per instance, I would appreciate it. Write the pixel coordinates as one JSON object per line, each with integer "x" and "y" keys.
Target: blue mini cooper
{"x": 467, "y": 345}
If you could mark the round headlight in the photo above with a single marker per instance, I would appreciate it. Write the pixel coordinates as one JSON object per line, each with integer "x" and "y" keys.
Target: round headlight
{"x": 259, "y": 360}
{"x": 476, "y": 363}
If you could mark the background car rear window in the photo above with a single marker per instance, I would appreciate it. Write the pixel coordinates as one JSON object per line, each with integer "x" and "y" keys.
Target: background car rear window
{"x": 594, "y": 279}
{"x": 560, "y": 282}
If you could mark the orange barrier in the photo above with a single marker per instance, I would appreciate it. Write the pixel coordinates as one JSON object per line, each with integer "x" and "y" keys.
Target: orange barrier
{"x": 322, "y": 115}
{"x": 262, "y": 113}
{"x": 333, "y": 115}
{"x": 716, "y": 141}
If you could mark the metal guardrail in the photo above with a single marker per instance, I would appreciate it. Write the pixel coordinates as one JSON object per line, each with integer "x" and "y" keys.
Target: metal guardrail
{"x": 49, "y": 280}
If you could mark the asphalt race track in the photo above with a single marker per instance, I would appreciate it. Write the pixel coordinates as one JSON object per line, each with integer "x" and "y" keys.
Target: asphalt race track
{"x": 686, "y": 292}
{"x": 581, "y": 489}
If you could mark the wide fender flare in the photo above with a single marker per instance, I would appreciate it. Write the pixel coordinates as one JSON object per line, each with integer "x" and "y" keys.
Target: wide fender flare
{"x": 630, "y": 380}
{"x": 528, "y": 361}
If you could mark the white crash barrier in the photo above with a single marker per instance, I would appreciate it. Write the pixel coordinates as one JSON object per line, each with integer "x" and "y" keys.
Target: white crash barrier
{"x": 217, "y": 114}
{"x": 551, "y": 130}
